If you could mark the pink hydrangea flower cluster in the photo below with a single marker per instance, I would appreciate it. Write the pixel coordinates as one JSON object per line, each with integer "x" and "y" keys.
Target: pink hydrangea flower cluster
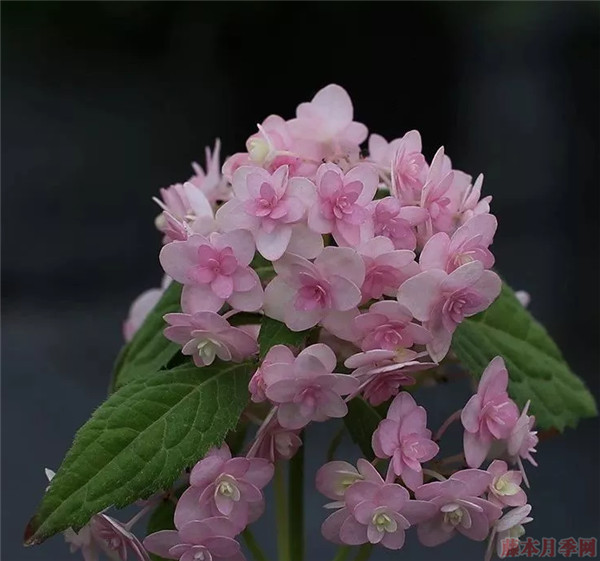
{"x": 224, "y": 496}
{"x": 373, "y": 258}
{"x": 467, "y": 501}
{"x": 343, "y": 230}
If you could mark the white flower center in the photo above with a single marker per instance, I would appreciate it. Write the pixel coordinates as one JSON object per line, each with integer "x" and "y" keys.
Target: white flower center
{"x": 516, "y": 531}
{"x": 258, "y": 149}
{"x": 502, "y": 486}
{"x": 227, "y": 487}
{"x": 207, "y": 349}
{"x": 384, "y": 523}
{"x": 346, "y": 479}
{"x": 463, "y": 259}
{"x": 454, "y": 517}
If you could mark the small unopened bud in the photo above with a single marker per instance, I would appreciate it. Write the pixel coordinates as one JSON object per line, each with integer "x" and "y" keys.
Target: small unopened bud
{"x": 258, "y": 149}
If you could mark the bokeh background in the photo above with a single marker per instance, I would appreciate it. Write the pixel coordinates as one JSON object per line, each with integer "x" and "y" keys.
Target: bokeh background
{"x": 105, "y": 102}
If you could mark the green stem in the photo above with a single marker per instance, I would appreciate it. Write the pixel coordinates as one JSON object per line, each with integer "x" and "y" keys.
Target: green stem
{"x": 364, "y": 552}
{"x": 342, "y": 553}
{"x": 281, "y": 513}
{"x": 255, "y": 549}
{"x": 296, "y": 506}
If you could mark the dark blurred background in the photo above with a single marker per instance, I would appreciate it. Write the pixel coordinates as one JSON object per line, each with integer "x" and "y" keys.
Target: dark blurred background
{"x": 103, "y": 103}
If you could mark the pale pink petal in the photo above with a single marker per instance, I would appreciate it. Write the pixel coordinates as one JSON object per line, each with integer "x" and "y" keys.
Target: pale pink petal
{"x": 333, "y": 406}
{"x": 393, "y": 496}
{"x": 488, "y": 286}
{"x": 272, "y": 245}
{"x": 417, "y": 511}
{"x": 299, "y": 320}
{"x": 345, "y": 384}
{"x": 317, "y": 222}
{"x": 279, "y": 354}
{"x": 513, "y": 517}
{"x": 207, "y": 469}
{"x": 475, "y": 448}
{"x": 413, "y": 214}
{"x": 200, "y": 298}
{"x": 368, "y": 471}
{"x": 222, "y": 286}
{"x": 222, "y": 547}
{"x": 465, "y": 276}
{"x": 232, "y": 216}
{"x": 178, "y": 257}
{"x": 345, "y": 294}
{"x": 363, "y": 511}
{"x": 402, "y": 405}
{"x": 378, "y": 147}
{"x": 470, "y": 414}
{"x": 347, "y": 234}
{"x": 421, "y": 292}
{"x": 241, "y": 243}
{"x": 483, "y": 225}
{"x": 352, "y": 532}
{"x": 396, "y": 259}
{"x": 290, "y": 265}
{"x": 190, "y": 508}
{"x": 161, "y": 542}
{"x": 435, "y": 254}
{"x": 440, "y": 344}
{"x": 244, "y": 279}
{"x": 332, "y": 260}
{"x": 494, "y": 380}
{"x": 413, "y": 422}
{"x": 369, "y": 177}
{"x": 341, "y": 324}
{"x": 305, "y": 242}
{"x": 302, "y": 189}
{"x": 331, "y": 102}
{"x": 139, "y": 310}
{"x": 239, "y": 180}
{"x": 394, "y": 540}
{"x": 332, "y": 525}
{"x": 479, "y": 528}
{"x": 476, "y": 480}
{"x": 376, "y": 246}
{"x": 331, "y": 477}
{"x": 323, "y": 354}
{"x": 356, "y": 133}
{"x": 260, "y": 472}
{"x": 412, "y": 478}
{"x": 368, "y": 358}
{"x": 385, "y": 438}
{"x": 278, "y": 299}
{"x": 432, "y": 532}
{"x": 290, "y": 416}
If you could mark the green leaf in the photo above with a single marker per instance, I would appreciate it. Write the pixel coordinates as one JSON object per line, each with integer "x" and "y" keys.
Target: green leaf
{"x": 263, "y": 267}
{"x": 149, "y": 350}
{"x": 362, "y": 420}
{"x": 536, "y": 368}
{"x": 381, "y": 193}
{"x": 139, "y": 441}
{"x": 273, "y": 332}
{"x": 245, "y": 318}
